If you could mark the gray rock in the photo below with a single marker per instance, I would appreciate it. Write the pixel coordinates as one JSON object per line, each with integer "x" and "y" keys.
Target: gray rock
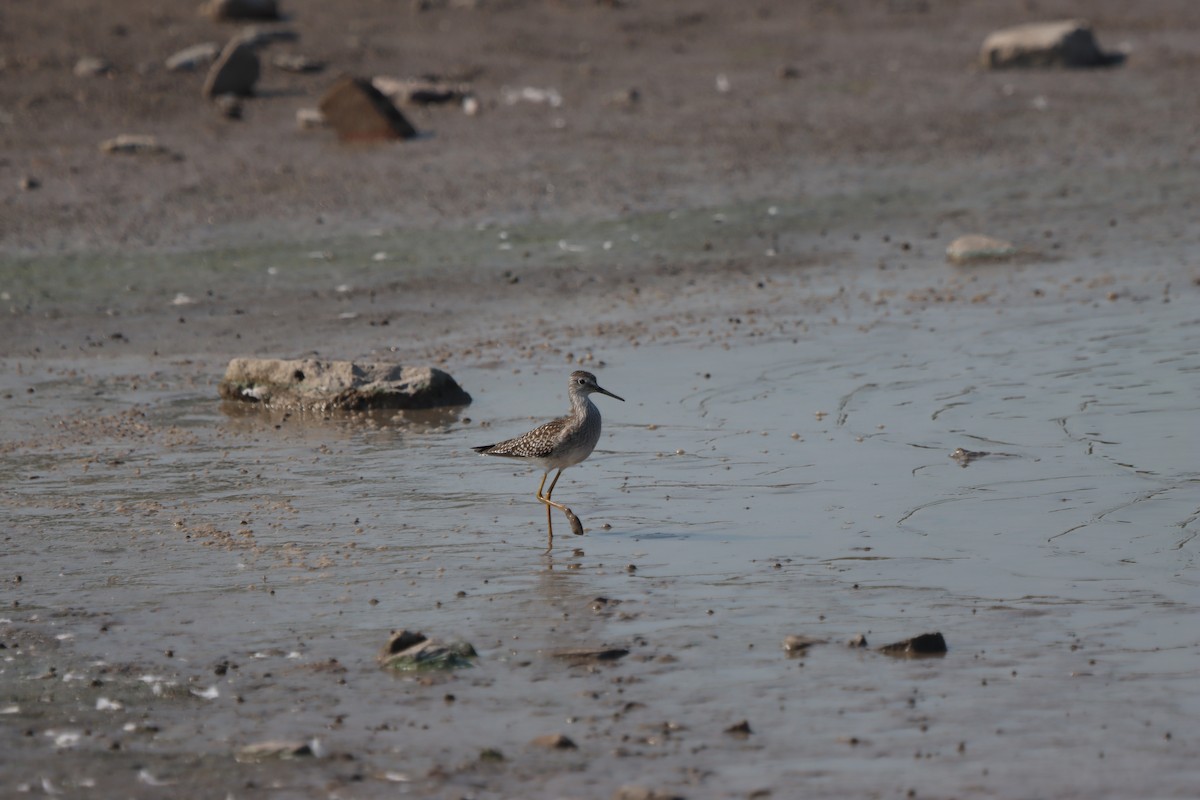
{"x": 1067, "y": 43}
{"x": 292, "y": 62}
{"x": 225, "y": 10}
{"x": 308, "y": 119}
{"x": 346, "y": 385}
{"x": 235, "y": 72}
{"x": 190, "y": 59}
{"x": 259, "y": 36}
{"x": 133, "y": 144}
{"x": 975, "y": 248}
{"x": 421, "y": 91}
{"x": 275, "y": 749}
{"x": 228, "y": 106}
{"x": 91, "y": 67}
{"x": 796, "y": 645}
{"x": 359, "y": 112}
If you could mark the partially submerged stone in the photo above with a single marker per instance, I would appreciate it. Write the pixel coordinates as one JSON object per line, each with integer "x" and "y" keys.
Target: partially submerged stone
{"x": 409, "y": 651}
{"x": 555, "y": 741}
{"x": 974, "y": 248}
{"x": 796, "y": 645}
{"x": 359, "y": 112}
{"x": 1066, "y": 43}
{"x": 927, "y": 644}
{"x": 318, "y": 385}
{"x": 275, "y": 749}
{"x": 225, "y": 10}
{"x": 133, "y": 144}
{"x": 586, "y": 655}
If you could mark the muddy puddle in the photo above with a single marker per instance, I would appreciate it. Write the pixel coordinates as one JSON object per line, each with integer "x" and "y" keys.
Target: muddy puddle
{"x": 183, "y": 579}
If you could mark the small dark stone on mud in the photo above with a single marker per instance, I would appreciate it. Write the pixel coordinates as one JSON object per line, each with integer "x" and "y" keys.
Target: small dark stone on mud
{"x": 642, "y": 793}
{"x": 589, "y": 654}
{"x": 555, "y": 741}
{"x": 924, "y": 645}
{"x": 491, "y": 755}
{"x": 740, "y": 730}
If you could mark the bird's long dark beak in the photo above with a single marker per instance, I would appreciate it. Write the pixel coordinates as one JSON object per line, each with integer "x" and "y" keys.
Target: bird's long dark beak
{"x": 610, "y": 394}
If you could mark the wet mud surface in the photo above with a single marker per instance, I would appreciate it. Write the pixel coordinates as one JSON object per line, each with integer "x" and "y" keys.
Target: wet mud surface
{"x": 184, "y": 579}
{"x": 833, "y": 441}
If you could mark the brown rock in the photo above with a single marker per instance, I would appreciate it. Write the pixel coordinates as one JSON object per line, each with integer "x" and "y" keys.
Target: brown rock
{"x": 583, "y": 655}
{"x": 927, "y": 644}
{"x": 555, "y": 741}
{"x": 235, "y": 71}
{"x": 360, "y": 113}
{"x": 1066, "y": 43}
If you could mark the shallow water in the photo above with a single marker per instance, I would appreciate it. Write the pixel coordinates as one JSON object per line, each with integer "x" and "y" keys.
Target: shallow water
{"x": 782, "y": 465}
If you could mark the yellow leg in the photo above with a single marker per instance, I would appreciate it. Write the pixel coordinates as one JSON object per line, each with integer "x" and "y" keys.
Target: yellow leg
{"x": 545, "y": 498}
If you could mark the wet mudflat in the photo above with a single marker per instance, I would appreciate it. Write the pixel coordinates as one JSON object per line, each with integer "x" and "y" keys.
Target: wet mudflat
{"x": 185, "y": 579}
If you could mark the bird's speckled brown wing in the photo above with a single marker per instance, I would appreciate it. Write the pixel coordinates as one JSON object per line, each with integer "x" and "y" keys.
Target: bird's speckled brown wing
{"x": 537, "y": 443}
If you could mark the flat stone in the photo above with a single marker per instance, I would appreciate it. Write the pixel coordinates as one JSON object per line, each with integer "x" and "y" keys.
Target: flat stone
{"x": 225, "y": 10}
{"x": 308, "y": 119}
{"x": 421, "y": 91}
{"x": 314, "y": 384}
{"x": 583, "y": 655}
{"x": 797, "y": 645}
{"x": 359, "y": 112}
{"x": 191, "y": 59}
{"x": 92, "y": 67}
{"x": 293, "y": 62}
{"x": 235, "y": 71}
{"x": 555, "y": 741}
{"x": 274, "y": 749}
{"x": 132, "y": 144}
{"x": 1065, "y": 43}
{"x": 260, "y": 36}
{"x": 976, "y": 247}
{"x": 927, "y": 644}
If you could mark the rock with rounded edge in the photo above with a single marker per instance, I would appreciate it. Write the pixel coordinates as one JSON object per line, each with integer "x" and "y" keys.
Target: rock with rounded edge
{"x": 225, "y": 10}
{"x": 975, "y": 247}
{"x": 411, "y": 651}
{"x": 92, "y": 67}
{"x": 927, "y": 644}
{"x": 319, "y": 385}
{"x": 359, "y": 112}
{"x": 133, "y": 144}
{"x": 190, "y": 59}
{"x": 1065, "y": 43}
{"x": 235, "y": 71}
{"x": 554, "y": 741}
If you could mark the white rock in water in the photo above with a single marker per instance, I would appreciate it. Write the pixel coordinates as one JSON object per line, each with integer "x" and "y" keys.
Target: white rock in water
{"x": 1068, "y": 43}
{"x": 976, "y": 247}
